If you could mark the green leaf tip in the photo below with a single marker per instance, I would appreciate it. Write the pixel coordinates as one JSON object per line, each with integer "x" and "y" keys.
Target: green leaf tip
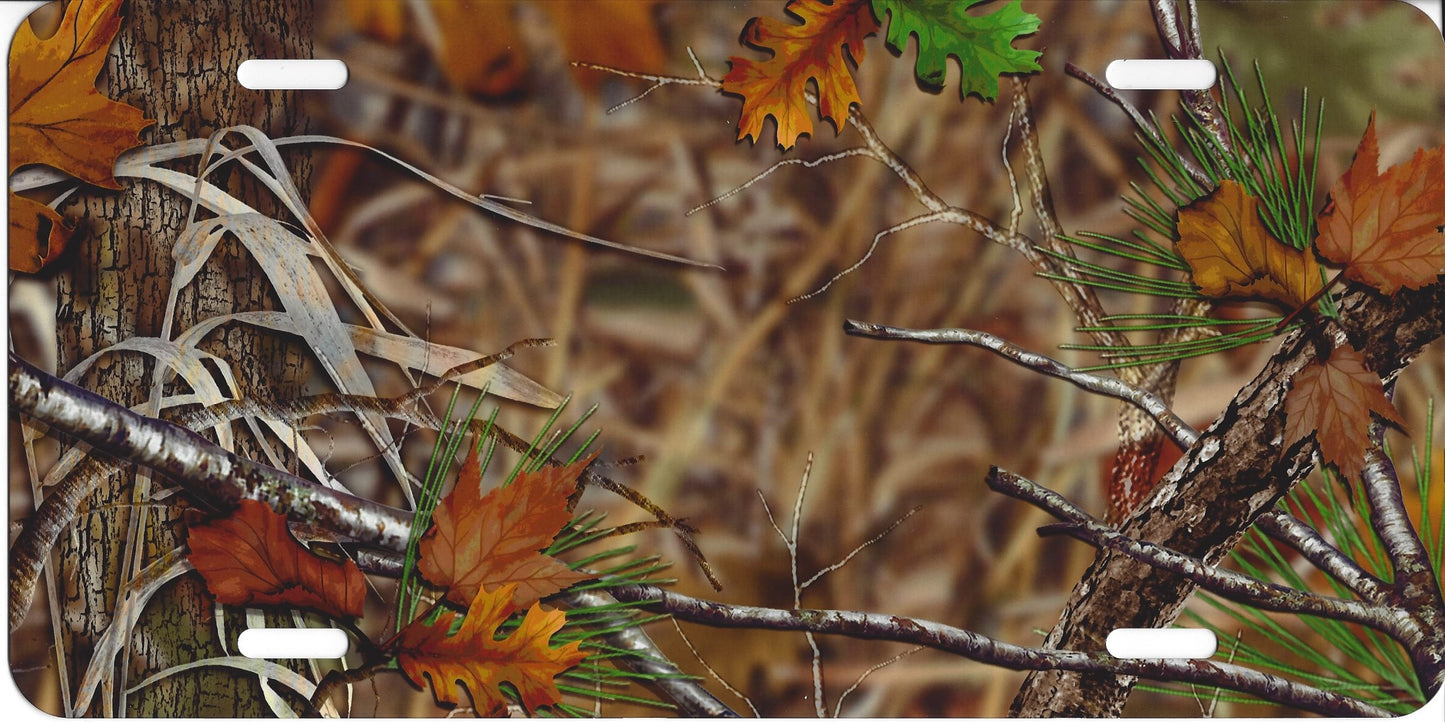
{"x": 982, "y": 44}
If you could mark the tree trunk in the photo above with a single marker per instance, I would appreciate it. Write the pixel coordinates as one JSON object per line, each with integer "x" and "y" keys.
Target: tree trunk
{"x": 1233, "y": 473}
{"x": 175, "y": 61}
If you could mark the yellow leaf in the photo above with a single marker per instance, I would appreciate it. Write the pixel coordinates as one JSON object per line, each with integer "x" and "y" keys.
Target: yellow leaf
{"x": 1232, "y": 254}
{"x": 57, "y": 117}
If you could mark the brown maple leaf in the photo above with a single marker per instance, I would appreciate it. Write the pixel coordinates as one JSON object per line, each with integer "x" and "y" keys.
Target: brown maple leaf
{"x": 1334, "y": 398}
{"x": 250, "y": 559}
{"x": 1386, "y": 228}
{"x": 818, "y": 49}
{"x": 478, "y": 541}
{"x": 57, "y": 117}
{"x": 476, "y": 658}
{"x": 1232, "y": 255}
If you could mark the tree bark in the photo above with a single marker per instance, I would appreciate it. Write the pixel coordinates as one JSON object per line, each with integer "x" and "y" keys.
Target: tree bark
{"x": 1235, "y": 472}
{"x": 175, "y": 61}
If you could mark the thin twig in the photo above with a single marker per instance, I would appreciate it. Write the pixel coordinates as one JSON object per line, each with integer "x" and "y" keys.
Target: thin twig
{"x": 979, "y": 647}
{"x": 1176, "y": 428}
{"x": 698, "y": 656}
{"x": 1225, "y": 583}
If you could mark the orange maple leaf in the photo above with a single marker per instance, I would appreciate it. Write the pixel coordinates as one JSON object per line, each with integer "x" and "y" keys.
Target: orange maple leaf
{"x": 1233, "y": 255}
{"x": 250, "y": 559}
{"x": 476, "y": 658}
{"x": 1334, "y": 398}
{"x": 1386, "y": 228}
{"x": 480, "y": 541}
{"x": 818, "y": 50}
{"x": 57, "y": 117}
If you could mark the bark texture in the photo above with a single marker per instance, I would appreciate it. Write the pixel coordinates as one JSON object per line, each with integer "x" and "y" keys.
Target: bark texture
{"x": 175, "y": 61}
{"x": 1235, "y": 472}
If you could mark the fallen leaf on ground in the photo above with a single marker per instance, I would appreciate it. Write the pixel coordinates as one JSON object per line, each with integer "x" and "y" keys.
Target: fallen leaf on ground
{"x": 1386, "y": 228}
{"x": 478, "y": 541}
{"x": 817, "y": 49}
{"x": 476, "y": 658}
{"x": 1334, "y": 399}
{"x": 1232, "y": 255}
{"x": 250, "y": 559}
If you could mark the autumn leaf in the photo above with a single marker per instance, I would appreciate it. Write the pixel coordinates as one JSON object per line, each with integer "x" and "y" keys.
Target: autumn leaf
{"x": 57, "y": 117}
{"x": 1386, "y": 228}
{"x": 982, "y": 44}
{"x": 818, "y": 49}
{"x": 249, "y": 559}
{"x": 1334, "y": 398}
{"x": 478, "y": 541}
{"x": 476, "y": 658}
{"x": 1232, "y": 254}
{"x": 38, "y": 234}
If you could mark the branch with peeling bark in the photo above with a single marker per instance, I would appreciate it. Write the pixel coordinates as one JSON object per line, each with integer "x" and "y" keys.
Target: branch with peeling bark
{"x": 220, "y": 477}
{"x": 189, "y": 459}
{"x": 972, "y": 645}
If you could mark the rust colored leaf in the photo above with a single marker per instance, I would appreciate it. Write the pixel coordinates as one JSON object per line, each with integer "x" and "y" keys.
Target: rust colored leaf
{"x": 476, "y": 658}
{"x": 1334, "y": 399}
{"x": 478, "y": 541}
{"x": 57, "y": 117}
{"x": 249, "y": 559}
{"x": 1386, "y": 228}
{"x": 38, "y": 234}
{"x": 818, "y": 49}
{"x": 1233, "y": 255}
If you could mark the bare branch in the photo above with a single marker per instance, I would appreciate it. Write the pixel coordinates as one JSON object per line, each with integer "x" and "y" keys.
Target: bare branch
{"x": 1228, "y": 584}
{"x": 1391, "y": 522}
{"x": 1415, "y": 584}
{"x": 218, "y": 475}
{"x": 1234, "y": 473}
{"x": 978, "y": 647}
{"x": 1284, "y": 527}
{"x": 1177, "y": 429}
{"x": 221, "y": 477}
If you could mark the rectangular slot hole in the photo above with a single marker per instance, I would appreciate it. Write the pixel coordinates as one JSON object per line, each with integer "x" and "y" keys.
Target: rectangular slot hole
{"x": 282, "y": 643}
{"x": 292, "y": 74}
{"x": 1142, "y": 74}
{"x": 1161, "y": 643}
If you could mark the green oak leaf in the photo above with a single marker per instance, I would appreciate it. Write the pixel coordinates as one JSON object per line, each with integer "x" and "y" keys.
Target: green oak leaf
{"x": 983, "y": 44}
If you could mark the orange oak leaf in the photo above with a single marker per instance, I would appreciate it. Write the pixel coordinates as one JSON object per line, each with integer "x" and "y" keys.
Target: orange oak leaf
{"x": 250, "y": 559}
{"x": 1334, "y": 398}
{"x": 38, "y": 234}
{"x": 1233, "y": 255}
{"x": 478, "y": 541}
{"x": 1386, "y": 228}
{"x": 818, "y": 50}
{"x": 57, "y": 117}
{"x": 476, "y": 658}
